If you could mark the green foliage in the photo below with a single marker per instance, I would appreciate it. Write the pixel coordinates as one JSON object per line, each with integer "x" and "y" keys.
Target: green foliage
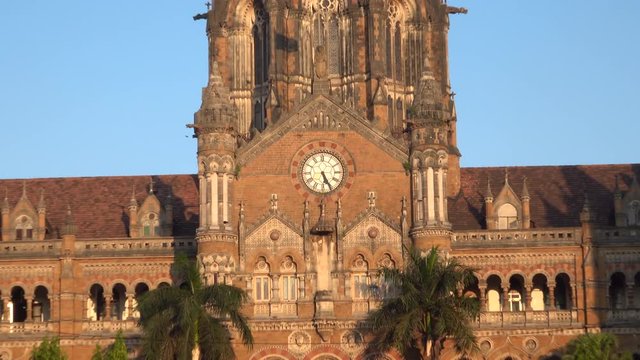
{"x": 117, "y": 351}
{"x": 424, "y": 307}
{"x": 177, "y": 320}
{"x": 49, "y": 349}
{"x": 98, "y": 353}
{"x": 603, "y": 346}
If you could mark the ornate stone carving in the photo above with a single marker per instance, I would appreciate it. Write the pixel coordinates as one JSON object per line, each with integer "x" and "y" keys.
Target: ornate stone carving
{"x": 299, "y": 342}
{"x": 273, "y": 233}
{"x": 371, "y": 232}
{"x": 218, "y": 262}
{"x": 352, "y": 342}
{"x": 488, "y": 260}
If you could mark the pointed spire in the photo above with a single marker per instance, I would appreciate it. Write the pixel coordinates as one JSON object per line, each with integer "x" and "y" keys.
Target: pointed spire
{"x": 488, "y": 193}
{"x": 274, "y": 203}
{"x": 372, "y": 199}
{"x": 5, "y": 203}
{"x": 24, "y": 189}
{"x": 525, "y": 189}
{"x": 506, "y": 176}
{"x": 132, "y": 201}
{"x": 305, "y": 220}
{"x": 616, "y": 191}
{"x": 41, "y": 203}
{"x": 69, "y": 227}
{"x": 587, "y": 214}
{"x": 151, "y": 186}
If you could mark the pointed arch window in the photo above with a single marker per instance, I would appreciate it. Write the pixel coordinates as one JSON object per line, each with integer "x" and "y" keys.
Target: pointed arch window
{"x": 507, "y": 217}
{"x": 326, "y": 32}
{"x": 150, "y": 225}
{"x": 262, "y": 281}
{"x": 288, "y": 280}
{"x": 24, "y": 228}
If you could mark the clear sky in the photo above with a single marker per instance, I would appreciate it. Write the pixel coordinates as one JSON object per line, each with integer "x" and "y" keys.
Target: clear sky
{"x": 91, "y": 88}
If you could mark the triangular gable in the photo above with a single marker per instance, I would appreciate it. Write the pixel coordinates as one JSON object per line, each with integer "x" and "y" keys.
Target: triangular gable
{"x": 321, "y": 112}
{"x": 273, "y": 232}
{"x": 372, "y": 227}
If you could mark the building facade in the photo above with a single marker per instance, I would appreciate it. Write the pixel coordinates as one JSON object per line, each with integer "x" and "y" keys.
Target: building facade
{"x": 326, "y": 146}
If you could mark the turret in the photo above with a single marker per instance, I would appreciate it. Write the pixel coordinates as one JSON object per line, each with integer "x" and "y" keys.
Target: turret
{"x": 429, "y": 154}
{"x": 215, "y": 128}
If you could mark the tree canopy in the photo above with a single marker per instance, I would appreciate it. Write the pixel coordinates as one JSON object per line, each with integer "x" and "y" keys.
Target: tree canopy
{"x": 603, "y": 346}
{"x": 48, "y": 349}
{"x": 190, "y": 321}
{"x": 424, "y": 307}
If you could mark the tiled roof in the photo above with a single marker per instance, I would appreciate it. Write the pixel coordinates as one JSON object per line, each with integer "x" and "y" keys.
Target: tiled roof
{"x": 557, "y": 192}
{"x": 99, "y": 204}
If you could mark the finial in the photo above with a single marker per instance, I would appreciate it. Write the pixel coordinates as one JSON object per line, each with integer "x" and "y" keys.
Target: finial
{"x": 339, "y": 208}
{"x": 5, "y": 203}
{"x": 132, "y": 201}
{"x": 506, "y": 176}
{"x": 404, "y": 206}
{"x": 208, "y": 5}
{"x": 274, "y": 203}
{"x": 372, "y": 199}
{"x": 525, "y": 188}
{"x": 488, "y": 193}
{"x": 41, "y": 203}
{"x": 150, "y": 185}
{"x": 24, "y": 189}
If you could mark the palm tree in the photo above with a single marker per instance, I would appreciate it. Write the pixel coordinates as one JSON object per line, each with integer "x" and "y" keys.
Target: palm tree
{"x": 190, "y": 321}
{"x": 424, "y": 307}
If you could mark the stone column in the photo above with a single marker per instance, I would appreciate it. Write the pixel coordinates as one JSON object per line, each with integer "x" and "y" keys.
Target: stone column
{"x": 630, "y": 295}
{"x": 527, "y": 298}
{"x": 275, "y": 287}
{"x": 483, "y": 298}
{"x": 5, "y": 309}
{"x": 505, "y": 299}
{"x": 108, "y": 300}
{"x": 552, "y": 297}
{"x": 130, "y": 309}
{"x": 29, "y": 309}
{"x": 301, "y": 287}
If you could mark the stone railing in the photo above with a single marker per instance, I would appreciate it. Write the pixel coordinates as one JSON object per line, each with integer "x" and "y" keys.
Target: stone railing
{"x": 617, "y": 234}
{"x": 489, "y": 237}
{"x": 113, "y": 326}
{"x": 29, "y": 248}
{"x": 26, "y": 327}
{"x": 527, "y": 318}
{"x": 623, "y": 316}
{"x": 129, "y": 246}
{"x": 279, "y": 309}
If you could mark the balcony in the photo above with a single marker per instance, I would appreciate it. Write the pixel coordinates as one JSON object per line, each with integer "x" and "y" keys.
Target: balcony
{"x": 279, "y": 309}
{"x": 516, "y": 237}
{"x": 26, "y": 327}
{"x": 527, "y": 319}
{"x": 109, "y": 326}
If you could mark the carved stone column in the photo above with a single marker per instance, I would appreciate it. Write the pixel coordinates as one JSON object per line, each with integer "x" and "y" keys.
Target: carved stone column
{"x": 483, "y": 298}
{"x": 275, "y": 288}
{"x": 552, "y": 297}
{"x": 505, "y": 299}
{"x": 108, "y": 300}
{"x": 630, "y": 295}
{"x": 527, "y": 297}
{"x": 29, "y": 309}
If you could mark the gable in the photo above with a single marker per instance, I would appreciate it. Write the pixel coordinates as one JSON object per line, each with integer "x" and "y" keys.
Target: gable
{"x": 273, "y": 233}
{"x": 320, "y": 112}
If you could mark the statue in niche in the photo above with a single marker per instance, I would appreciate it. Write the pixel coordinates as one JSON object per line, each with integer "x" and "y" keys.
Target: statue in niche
{"x": 321, "y": 62}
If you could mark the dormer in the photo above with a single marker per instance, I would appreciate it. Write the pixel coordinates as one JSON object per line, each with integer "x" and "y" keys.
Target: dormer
{"x": 627, "y": 207}
{"x": 507, "y": 211}
{"x": 151, "y": 219}
{"x": 25, "y": 221}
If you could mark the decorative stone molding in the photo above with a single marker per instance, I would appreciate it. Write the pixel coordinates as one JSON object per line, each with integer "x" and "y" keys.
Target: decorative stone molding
{"x": 360, "y": 233}
{"x": 352, "y": 342}
{"x": 11, "y": 271}
{"x": 531, "y": 259}
{"x": 622, "y": 257}
{"x": 160, "y": 268}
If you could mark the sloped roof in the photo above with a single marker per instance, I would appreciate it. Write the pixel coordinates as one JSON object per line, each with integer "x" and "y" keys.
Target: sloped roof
{"x": 556, "y": 192}
{"x": 99, "y": 204}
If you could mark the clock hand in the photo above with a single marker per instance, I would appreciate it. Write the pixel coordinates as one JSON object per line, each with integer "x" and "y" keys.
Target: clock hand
{"x": 326, "y": 181}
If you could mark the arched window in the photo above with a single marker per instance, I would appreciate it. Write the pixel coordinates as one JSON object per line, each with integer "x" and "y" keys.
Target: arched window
{"x": 633, "y": 214}
{"x": 150, "y": 225}
{"x": 617, "y": 291}
{"x": 288, "y": 280}
{"x": 24, "y": 228}
{"x": 261, "y": 281}
{"x": 360, "y": 278}
{"x": 507, "y": 217}
{"x": 494, "y": 291}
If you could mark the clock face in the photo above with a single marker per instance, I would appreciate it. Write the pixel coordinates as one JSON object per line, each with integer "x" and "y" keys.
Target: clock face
{"x": 322, "y": 172}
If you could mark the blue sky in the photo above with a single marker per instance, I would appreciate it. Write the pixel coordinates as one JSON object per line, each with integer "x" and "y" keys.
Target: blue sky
{"x": 106, "y": 88}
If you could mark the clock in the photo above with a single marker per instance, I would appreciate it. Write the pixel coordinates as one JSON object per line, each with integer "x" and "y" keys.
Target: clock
{"x": 322, "y": 172}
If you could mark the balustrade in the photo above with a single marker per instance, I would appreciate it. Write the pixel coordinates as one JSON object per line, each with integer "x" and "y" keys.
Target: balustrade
{"x": 527, "y": 318}
{"x": 26, "y": 327}
{"x": 537, "y": 235}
